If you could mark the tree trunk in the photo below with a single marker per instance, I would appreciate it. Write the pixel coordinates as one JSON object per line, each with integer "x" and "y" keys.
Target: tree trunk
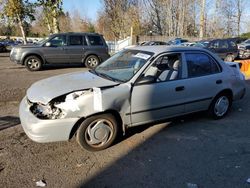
{"x": 55, "y": 22}
{"x": 55, "y": 25}
{"x": 48, "y": 25}
{"x": 202, "y": 19}
{"x": 239, "y": 12}
{"x": 20, "y": 23}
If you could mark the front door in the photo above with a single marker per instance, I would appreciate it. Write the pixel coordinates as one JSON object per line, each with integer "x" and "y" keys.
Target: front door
{"x": 56, "y": 52}
{"x": 161, "y": 98}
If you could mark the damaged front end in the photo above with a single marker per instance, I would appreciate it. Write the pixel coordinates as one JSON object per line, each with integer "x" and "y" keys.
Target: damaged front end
{"x": 48, "y": 111}
{"x": 59, "y": 107}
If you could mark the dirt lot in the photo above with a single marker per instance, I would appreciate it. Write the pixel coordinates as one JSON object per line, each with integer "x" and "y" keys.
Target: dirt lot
{"x": 192, "y": 149}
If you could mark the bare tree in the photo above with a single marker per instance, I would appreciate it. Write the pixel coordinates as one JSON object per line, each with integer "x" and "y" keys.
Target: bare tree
{"x": 202, "y": 18}
{"x": 240, "y": 4}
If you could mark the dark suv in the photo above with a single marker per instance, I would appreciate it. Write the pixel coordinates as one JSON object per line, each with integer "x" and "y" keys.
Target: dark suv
{"x": 87, "y": 48}
{"x": 226, "y": 49}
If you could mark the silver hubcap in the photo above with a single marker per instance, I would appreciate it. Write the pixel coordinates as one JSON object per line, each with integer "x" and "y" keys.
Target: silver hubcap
{"x": 92, "y": 62}
{"x": 99, "y": 132}
{"x": 33, "y": 63}
{"x": 221, "y": 106}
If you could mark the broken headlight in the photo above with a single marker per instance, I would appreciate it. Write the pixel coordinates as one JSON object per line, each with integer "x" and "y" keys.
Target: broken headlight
{"x": 48, "y": 111}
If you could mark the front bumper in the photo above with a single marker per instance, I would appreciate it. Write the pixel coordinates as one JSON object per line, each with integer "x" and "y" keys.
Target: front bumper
{"x": 244, "y": 53}
{"x": 43, "y": 131}
{"x": 15, "y": 58}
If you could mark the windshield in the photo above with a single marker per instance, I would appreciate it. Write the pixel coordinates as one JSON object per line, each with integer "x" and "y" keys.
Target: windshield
{"x": 41, "y": 41}
{"x": 123, "y": 66}
{"x": 247, "y": 41}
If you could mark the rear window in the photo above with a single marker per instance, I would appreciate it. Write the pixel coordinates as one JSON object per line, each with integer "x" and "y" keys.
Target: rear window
{"x": 95, "y": 40}
{"x": 200, "y": 65}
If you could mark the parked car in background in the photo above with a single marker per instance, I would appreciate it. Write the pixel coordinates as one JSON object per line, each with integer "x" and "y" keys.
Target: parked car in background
{"x": 226, "y": 49}
{"x": 2, "y": 47}
{"x": 176, "y": 41}
{"x": 152, "y": 43}
{"x": 188, "y": 43}
{"x": 9, "y": 43}
{"x": 86, "y": 48}
{"x": 244, "y": 49}
{"x": 135, "y": 86}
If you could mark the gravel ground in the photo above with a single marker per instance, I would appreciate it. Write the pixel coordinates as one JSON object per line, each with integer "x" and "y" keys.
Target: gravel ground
{"x": 184, "y": 151}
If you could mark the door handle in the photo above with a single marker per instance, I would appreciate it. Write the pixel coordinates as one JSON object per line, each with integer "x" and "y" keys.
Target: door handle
{"x": 218, "y": 81}
{"x": 180, "y": 88}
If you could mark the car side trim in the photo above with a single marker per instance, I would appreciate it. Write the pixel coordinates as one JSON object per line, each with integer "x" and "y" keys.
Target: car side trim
{"x": 159, "y": 108}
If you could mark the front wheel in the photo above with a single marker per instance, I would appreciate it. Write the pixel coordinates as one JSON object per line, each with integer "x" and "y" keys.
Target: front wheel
{"x": 33, "y": 63}
{"x": 97, "y": 132}
{"x": 220, "y": 106}
{"x": 92, "y": 61}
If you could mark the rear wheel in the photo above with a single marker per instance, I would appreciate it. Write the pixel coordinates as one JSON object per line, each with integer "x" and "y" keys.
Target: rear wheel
{"x": 220, "y": 106}
{"x": 92, "y": 61}
{"x": 97, "y": 132}
{"x": 33, "y": 63}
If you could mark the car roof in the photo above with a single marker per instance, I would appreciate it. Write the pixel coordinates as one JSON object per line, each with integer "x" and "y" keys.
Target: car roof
{"x": 76, "y": 33}
{"x": 163, "y": 48}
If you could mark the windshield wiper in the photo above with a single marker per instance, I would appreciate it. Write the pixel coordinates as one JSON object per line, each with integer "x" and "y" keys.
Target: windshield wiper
{"x": 105, "y": 76}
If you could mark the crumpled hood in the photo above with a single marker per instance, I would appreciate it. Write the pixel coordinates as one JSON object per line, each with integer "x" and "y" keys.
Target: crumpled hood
{"x": 45, "y": 90}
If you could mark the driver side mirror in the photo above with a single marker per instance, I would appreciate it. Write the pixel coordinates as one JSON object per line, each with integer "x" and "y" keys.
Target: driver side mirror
{"x": 48, "y": 44}
{"x": 146, "y": 80}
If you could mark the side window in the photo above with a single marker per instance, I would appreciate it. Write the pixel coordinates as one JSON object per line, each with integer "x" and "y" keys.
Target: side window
{"x": 223, "y": 44}
{"x": 215, "y": 44}
{"x": 233, "y": 44}
{"x": 165, "y": 68}
{"x": 199, "y": 64}
{"x": 95, "y": 40}
{"x": 75, "y": 40}
{"x": 58, "y": 41}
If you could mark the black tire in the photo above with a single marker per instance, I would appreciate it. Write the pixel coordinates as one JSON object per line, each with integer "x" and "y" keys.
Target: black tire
{"x": 92, "y": 61}
{"x": 33, "y": 63}
{"x": 220, "y": 106}
{"x": 229, "y": 58}
{"x": 97, "y": 132}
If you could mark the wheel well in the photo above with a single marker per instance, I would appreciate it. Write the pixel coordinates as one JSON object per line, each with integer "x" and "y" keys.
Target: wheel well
{"x": 113, "y": 112}
{"x": 228, "y": 92}
{"x": 24, "y": 59}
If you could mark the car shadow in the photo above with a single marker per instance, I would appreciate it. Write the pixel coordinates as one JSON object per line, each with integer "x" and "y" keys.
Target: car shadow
{"x": 8, "y": 121}
{"x": 191, "y": 149}
{"x": 171, "y": 123}
{"x": 61, "y": 66}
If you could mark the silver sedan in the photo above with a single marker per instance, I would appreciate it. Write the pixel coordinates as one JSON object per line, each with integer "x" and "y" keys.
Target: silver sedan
{"x": 135, "y": 86}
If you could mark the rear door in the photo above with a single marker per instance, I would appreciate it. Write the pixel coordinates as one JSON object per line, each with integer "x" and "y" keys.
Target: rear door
{"x": 76, "y": 48}
{"x": 204, "y": 80}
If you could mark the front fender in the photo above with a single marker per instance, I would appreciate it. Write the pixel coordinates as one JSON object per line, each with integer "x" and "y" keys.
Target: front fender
{"x": 25, "y": 54}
